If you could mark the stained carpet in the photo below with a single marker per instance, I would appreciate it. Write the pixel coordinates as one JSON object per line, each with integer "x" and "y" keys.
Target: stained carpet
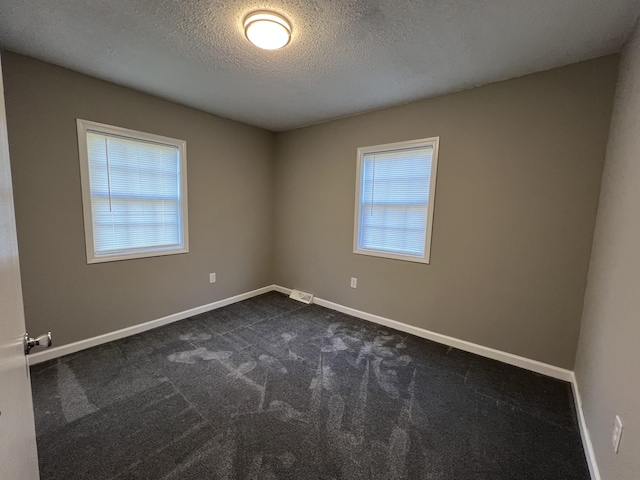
{"x": 269, "y": 388}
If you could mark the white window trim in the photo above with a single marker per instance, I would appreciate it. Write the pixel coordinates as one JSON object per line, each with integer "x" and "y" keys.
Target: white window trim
{"x": 83, "y": 127}
{"x": 423, "y": 142}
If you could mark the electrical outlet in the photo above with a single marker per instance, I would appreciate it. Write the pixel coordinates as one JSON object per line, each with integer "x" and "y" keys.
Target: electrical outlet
{"x": 354, "y": 282}
{"x": 617, "y": 433}
{"x": 212, "y": 278}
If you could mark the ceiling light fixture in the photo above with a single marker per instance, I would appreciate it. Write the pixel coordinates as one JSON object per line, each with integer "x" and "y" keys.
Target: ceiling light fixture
{"x": 267, "y": 30}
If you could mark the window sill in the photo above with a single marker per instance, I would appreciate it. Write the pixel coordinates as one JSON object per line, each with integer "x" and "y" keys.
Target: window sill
{"x": 132, "y": 256}
{"x": 391, "y": 256}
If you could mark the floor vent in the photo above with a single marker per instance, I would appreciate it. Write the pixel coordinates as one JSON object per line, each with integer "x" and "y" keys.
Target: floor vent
{"x": 303, "y": 297}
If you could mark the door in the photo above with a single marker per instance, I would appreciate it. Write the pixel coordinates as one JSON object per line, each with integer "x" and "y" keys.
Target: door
{"x": 18, "y": 457}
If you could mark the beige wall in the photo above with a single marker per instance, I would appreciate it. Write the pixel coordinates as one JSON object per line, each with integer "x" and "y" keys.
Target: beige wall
{"x": 608, "y": 360}
{"x": 518, "y": 178}
{"x": 230, "y": 191}
{"x": 517, "y": 189}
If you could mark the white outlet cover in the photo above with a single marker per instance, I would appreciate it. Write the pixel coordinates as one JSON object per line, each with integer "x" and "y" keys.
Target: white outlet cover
{"x": 354, "y": 282}
{"x": 617, "y": 434}
{"x": 212, "y": 278}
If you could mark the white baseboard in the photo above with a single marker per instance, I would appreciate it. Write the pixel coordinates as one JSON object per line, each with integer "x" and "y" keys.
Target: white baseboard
{"x": 584, "y": 432}
{"x": 510, "y": 358}
{"x": 56, "y": 352}
{"x": 286, "y": 291}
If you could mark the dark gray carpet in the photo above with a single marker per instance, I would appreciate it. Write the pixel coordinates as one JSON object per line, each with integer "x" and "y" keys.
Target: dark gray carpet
{"x": 272, "y": 389}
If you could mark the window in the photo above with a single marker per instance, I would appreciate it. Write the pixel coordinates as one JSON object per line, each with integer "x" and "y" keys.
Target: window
{"x": 134, "y": 193}
{"x": 395, "y": 192}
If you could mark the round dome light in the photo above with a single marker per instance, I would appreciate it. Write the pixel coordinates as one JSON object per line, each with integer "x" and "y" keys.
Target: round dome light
{"x": 267, "y": 30}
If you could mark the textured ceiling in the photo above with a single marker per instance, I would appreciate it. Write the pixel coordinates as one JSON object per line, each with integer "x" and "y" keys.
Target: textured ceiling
{"x": 345, "y": 56}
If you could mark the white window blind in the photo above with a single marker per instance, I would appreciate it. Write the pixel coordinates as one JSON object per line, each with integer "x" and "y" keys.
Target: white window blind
{"x": 395, "y": 197}
{"x": 136, "y": 195}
